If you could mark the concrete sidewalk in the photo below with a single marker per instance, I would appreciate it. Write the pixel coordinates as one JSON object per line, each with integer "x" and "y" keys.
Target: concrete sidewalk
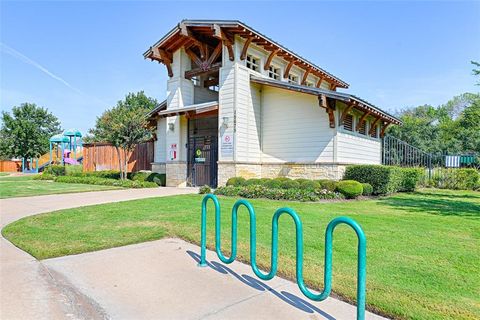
{"x": 161, "y": 280}
{"x": 27, "y": 289}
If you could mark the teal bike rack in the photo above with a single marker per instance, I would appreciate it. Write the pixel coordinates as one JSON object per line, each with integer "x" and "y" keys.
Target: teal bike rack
{"x": 362, "y": 248}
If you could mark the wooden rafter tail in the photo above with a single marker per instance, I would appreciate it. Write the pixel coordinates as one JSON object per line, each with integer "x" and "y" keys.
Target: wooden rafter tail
{"x": 305, "y": 76}
{"x": 384, "y": 127}
{"x": 361, "y": 122}
{"x": 270, "y": 58}
{"x": 287, "y": 70}
{"x": 245, "y": 48}
{"x": 373, "y": 126}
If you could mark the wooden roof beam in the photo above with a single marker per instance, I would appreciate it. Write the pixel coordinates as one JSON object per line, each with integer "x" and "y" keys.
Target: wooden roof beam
{"x": 287, "y": 70}
{"x": 305, "y": 76}
{"x": 165, "y": 57}
{"x": 215, "y": 54}
{"x": 345, "y": 112}
{"x": 269, "y": 59}
{"x": 373, "y": 126}
{"x": 227, "y": 40}
{"x": 384, "y": 127}
{"x": 319, "y": 82}
{"x": 199, "y": 71}
{"x": 245, "y": 48}
{"x": 361, "y": 122}
{"x": 194, "y": 58}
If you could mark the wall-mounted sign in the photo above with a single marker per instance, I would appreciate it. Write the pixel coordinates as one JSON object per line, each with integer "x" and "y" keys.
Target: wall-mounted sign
{"x": 198, "y": 152}
{"x": 226, "y": 146}
{"x": 172, "y": 152}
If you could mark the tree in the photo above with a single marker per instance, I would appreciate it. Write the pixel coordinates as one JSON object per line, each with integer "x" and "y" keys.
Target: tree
{"x": 26, "y": 133}
{"x": 476, "y": 72}
{"x": 125, "y": 126}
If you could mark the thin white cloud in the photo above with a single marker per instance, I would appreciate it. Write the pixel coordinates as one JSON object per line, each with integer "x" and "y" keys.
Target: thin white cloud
{"x": 18, "y": 55}
{"x": 14, "y": 53}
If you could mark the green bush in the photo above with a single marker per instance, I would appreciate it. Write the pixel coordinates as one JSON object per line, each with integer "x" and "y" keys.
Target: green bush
{"x": 106, "y": 182}
{"x": 384, "y": 179}
{"x": 204, "y": 190}
{"x": 236, "y": 181}
{"x": 273, "y": 184}
{"x": 56, "y": 170}
{"x": 308, "y": 184}
{"x": 410, "y": 178}
{"x": 330, "y": 185}
{"x": 286, "y": 183}
{"x": 159, "y": 178}
{"x": 367, "y": 189}
{"x": 44, "y": 176}
{"x": 350, "y": 188}
{"x": 140, "y": 175}
{"x": 253, "y": 182}
{"x": 71, "y": 170}
{"x": 456, "y": 178}
{"x": 259, "y": 191}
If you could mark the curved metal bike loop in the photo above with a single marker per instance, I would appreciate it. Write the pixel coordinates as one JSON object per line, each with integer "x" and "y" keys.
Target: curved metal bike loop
{"x": 361, "y": 263}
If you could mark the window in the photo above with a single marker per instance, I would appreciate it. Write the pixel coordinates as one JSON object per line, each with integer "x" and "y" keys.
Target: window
{"x": 348, "y": 122}
{"x": 274, "y": 72}
{"x": 292, "y": 79}
{"x": 196, "y": 81}
{"x": 309, "y": 84}
{"x": 252, "y": 63}
{"x": 363, "y": 128}
{"x": 375, "y": 132}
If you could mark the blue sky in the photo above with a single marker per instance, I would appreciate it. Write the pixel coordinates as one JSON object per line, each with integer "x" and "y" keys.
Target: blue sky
{"x": 78, "y": 58}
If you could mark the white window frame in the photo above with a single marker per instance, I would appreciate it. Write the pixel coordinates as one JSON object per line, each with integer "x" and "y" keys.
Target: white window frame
{"x": 274, "y": 72}
{"x": 309, "y": 83}
{"x": 293, "y": 79}
{"x": 254, "y": 66}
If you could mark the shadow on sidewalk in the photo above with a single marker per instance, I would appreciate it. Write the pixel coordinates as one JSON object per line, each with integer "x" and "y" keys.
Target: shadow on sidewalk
{"x": 285, "y": 296}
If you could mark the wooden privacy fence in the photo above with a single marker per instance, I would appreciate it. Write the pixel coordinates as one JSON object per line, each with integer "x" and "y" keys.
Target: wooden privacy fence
{"x": 103, "y": 156}
{"x": 10, "y": 166}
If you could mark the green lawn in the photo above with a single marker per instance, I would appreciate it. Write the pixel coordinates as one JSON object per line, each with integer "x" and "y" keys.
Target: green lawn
{"x": 25, "y": 186}
{"x": 2, "y": 174}
{"x": 423, "y": 248}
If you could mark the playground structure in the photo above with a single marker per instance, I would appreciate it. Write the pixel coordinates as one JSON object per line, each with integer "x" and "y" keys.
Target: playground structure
{"x": 361, "y": 260}
{"x": 65, "y": 149}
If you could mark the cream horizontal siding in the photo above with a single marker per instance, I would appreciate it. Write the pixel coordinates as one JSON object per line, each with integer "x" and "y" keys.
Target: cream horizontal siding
{"x": 358, "y": 150}
{"x": 226, "y": 98}
{"x": 160, "y": 154}
{"x": 248, "y": 118}
{"x": 295, "y": 128}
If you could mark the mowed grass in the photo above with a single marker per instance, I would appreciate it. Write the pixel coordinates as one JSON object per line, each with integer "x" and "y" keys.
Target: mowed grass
{"x": 25, "y": 186}
{"x": 423, "y": 248}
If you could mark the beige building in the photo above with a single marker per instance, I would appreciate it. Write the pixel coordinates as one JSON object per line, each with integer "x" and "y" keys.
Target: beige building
{"x": 240, "y": 104}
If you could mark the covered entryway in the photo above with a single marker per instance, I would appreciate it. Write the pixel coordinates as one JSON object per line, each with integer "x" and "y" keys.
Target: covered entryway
{"x": 202, "y": 151}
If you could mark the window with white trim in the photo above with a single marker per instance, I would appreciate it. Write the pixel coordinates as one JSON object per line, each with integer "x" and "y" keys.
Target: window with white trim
{"x": 252, "y": 62}
{"x": 292, "y": 79}
{"x": 309, "y": 83}
{"x": 274, "y": 72}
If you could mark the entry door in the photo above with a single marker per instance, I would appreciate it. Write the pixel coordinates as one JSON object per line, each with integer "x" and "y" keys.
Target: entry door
{"x": 202, "y": 161}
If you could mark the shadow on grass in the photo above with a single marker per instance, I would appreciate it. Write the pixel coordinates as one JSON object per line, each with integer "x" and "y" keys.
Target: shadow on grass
{"x": 440, "y": 194}
{"x": 285, "y": 296}
{"x": 438, "y": 204}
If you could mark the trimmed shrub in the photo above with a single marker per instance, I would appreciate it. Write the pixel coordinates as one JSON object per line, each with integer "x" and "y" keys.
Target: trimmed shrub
{"x": 106, "y": 182}
{"x": 56, "y": 170}
{"x": 350, "y": 188}
{"x": 204, "y": 190}
{"x": 256, "y": 182}
{"x": 455, "y": 178}
{"x": 384, "y": 179}
{"x": 308, "y": 184}
{"x": 159, "y": 178}
{"x": 139, "y": 175}
{"x": 273, "y": 184}
{"x": 236, "y": 181}
{"x": 289, "y": 184}
{"x": 367, "y": 189}
{"x": 410, "y": 178}
{"x": 330, "y": 185}
{"x": 44, "y": 176}
{"x": 71, "y": 170}
{"x": 258, "y": 191}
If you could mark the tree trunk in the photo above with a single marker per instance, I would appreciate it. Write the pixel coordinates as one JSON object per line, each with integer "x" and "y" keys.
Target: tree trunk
{"x": 119, "y": 155}
{"x": 125, "y": 152}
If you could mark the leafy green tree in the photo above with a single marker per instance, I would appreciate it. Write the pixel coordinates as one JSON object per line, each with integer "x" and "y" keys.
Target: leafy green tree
{"x": 476, "y": 72}
{"x": 125, "y": 126}
{"x": 26, "y": 132}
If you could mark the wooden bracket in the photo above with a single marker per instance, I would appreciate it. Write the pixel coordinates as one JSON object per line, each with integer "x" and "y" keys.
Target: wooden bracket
{"x": 361, "y": 122}
{"x": 270, "y": 58}
{"x": 333, "y": 86}
{"x": 227, "y": 41}
{"x": 215, "y": 54}
{"x": 245, "y": 47}
{"x": 329, "y": 106}
{"x": 373, "y": 126}
{"x": 305, "y": 75}
{"x": 319, "y": 82}
{"x": 165, "y": 57}
{"x": 384, "y": 127}
{"x": 345, "y": 112}
{"x": 287, "y": 70}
